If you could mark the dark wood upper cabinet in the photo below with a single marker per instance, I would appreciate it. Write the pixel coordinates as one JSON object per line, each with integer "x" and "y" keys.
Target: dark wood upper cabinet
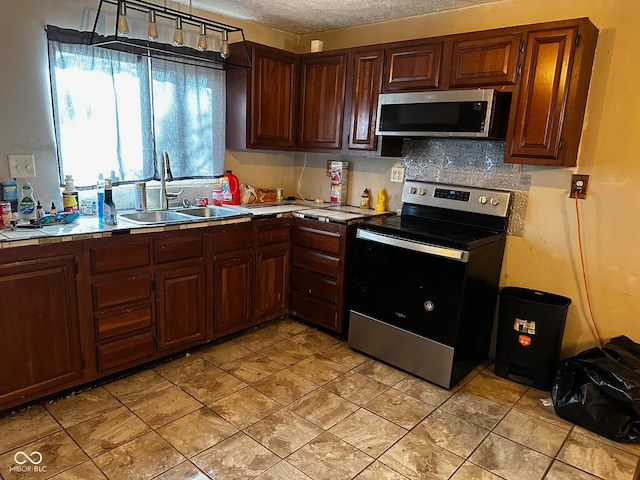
{"x": 365, "y": 84}
{"x": 261, "y": 101}
{"x": 322, "y": 95}
{"x": 484, "y": 59}
{"x": 548, "y": 112}
{"x": 412, "y": 66}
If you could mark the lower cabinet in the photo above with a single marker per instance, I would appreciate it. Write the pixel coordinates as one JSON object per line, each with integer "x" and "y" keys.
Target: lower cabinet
{"x": 40, "y": 332}
{"x": 319, "y": 272}
{"x": 272, "y": 240}
{"x": 181, "y": 289}
{"x": 233, "y": 275}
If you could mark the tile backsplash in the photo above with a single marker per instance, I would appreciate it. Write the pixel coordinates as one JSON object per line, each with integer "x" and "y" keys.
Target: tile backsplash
{"x": 478, "y": 163}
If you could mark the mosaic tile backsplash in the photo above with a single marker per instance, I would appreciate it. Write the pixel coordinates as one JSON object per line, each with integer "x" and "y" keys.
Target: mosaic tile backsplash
{"x": 478, "y": 163}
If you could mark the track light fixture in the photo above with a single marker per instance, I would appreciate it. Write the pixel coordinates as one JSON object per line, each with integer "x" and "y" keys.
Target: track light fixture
{"x": 154, "y": 45}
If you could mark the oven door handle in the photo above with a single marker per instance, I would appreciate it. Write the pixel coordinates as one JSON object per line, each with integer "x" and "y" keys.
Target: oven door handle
{"x": 460, "y": 255}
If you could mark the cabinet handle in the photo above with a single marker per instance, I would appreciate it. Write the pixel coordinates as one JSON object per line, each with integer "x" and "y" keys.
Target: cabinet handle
{"x": 561, "y": 144}
{"x": 522, "y": 43}
{"x": 519, "y": 70}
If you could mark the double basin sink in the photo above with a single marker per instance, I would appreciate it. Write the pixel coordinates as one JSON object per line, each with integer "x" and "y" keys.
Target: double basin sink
{"x": 191, "y": 214}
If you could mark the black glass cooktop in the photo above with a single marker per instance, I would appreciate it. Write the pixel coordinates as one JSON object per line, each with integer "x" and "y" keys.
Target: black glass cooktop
{"x": 434, "y": 232}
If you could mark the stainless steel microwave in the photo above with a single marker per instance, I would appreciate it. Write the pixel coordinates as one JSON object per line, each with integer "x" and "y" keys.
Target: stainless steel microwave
{"x": 480, "y": 113}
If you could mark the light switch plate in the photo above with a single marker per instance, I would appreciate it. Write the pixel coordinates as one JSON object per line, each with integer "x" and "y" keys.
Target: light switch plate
{"x": 397, "y": 174}
{"x": 22, "y": 166}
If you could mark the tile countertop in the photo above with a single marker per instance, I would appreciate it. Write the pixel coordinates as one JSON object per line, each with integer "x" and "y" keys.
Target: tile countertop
{"x": 88, "y": 227}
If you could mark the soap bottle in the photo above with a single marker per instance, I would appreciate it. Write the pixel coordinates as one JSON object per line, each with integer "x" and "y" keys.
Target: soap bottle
{"x": 70, "y": 201}
{"x": 365, "y": 199}
{"x": 381, "y": 200}
{"x": 109, "y": 210}
{"x": 27, "y": 207}
{"x": 53, "y": 209}
{"x": 39, "y": 210}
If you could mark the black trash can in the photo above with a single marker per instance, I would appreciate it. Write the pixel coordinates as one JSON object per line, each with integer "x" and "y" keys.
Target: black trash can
{"x": 530, "y": 328}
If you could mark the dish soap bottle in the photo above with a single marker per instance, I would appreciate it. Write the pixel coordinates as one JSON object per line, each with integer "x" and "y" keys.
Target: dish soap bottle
{"x": 381, "y": 200}
{"x": 100, "y": 189}
{"x": 365, "y": 199}
{"x": 109, "y": 209}
{"x": 70, "y": 195}
{"x": 27, "y": 207}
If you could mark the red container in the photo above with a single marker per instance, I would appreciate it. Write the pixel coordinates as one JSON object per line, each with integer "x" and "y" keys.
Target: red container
{"x": 230, "y": 189}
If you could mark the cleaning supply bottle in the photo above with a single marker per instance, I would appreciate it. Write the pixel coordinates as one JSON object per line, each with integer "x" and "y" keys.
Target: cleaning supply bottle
{"x": 110, "y": 214}
{"x": 230, "y": 189}
{"x": 381, "y": 200}
{"x": 53, "y": 209}
{"x": 27, "y": 206}
{"x": 365, "y": 199}
{"x": 70, "y": 201}
{"x": 100, "y": 190}
{"x": 39, "y": 210}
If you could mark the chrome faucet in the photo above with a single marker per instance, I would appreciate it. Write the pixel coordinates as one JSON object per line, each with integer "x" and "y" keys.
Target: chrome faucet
{"x": 165, "y": 176}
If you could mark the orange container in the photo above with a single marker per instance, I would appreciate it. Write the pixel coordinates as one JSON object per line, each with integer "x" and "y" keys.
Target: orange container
{"x": 230, "y": 189}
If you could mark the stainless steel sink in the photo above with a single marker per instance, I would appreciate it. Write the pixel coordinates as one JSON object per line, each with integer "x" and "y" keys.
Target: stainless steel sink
{"x": 155, "y": 216}
{"x": 211, "y": 211}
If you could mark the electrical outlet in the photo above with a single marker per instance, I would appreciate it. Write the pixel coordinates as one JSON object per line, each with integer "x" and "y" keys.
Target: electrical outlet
{"x": 579, "y": 184}
{"x": 397, "y": 174}
{"x": 22, "y": 166}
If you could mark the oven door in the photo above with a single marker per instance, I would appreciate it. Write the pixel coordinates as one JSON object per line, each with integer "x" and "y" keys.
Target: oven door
{"x": 413, "y": 286}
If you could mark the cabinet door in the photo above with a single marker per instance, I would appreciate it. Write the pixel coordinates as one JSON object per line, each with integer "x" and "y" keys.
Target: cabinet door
{"x": 262, "y": 101}
{"x": 39, "y": 333}
{"x": 273, "y": 95}
{"x": 322, "y": 94}
{"x": 181, "y": 307}
{"x": 412, "y": 67}
{"x": 233, "y": 291}
{"x": 366, "y": 85}
{"x": 272, "y": 282}
{"x": 480, "y": 60}
{"x": 547, "y": 114}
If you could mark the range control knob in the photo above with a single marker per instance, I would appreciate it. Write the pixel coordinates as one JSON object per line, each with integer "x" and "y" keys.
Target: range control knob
{"x": 413, "y": 190}
{"x": 494, "y": 201}
{"x": 422, "y": 191}
{"x": 429, "y": 306}
{"x": 483, "y": 199}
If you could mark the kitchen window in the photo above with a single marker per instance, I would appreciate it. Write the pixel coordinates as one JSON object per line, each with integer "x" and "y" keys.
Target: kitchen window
{"x": 115, "y": 112}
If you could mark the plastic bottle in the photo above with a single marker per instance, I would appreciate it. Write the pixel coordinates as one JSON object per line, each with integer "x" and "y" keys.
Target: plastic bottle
{"x": 230, "y": 189}
{"x": 27, "y": 207}
{"x": 381, "y": 200}
{"x": 109, "y": 210}
{"x": 39, "y": 210}
{"x": 70, "y": 201}
{"x": 100, "y": 189}
{"x": 365, "y": 199}
{"x": 53, "y": 210}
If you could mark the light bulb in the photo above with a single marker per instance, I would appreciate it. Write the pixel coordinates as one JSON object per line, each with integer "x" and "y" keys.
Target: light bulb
{"x": 152, "y": 30}
{"x": 123, "y": 26}
{"x": 202, "y": 39}
{"x": 224, "y": 50}
{"x": 177, "y": 35}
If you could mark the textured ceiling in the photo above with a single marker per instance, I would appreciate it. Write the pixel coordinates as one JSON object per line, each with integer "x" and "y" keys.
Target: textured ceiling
{"x": 308, "y": 16}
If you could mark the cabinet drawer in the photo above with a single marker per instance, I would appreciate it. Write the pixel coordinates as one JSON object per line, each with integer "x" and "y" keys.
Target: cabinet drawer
{"x": 311, "y": 236}
{"x": 179, "y": 247}
{"x": 121, "y": 291}
{"x": 127, "y": 351}
{"x": 312, "y": 309}
{"x": 130, "y": 320}
{"x": 316, "y": 261}
{"x": 272, "y": 233}
{"x": 314, "y": 284}
{"x": 122, "y": 255}
{"x": 233, "y": 237}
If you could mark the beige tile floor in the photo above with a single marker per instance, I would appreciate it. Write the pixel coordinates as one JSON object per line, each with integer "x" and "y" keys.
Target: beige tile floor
{"x": 287, "y": 401}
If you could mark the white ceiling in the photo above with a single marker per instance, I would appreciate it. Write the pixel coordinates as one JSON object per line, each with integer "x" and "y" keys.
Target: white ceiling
{"x": 308, "y": 16}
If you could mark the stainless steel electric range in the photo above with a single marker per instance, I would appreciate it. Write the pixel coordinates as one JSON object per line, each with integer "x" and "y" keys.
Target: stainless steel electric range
{"x": 426, "y": 282}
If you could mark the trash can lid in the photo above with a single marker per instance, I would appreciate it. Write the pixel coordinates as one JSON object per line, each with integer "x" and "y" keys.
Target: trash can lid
{"x": 537, "y": 296}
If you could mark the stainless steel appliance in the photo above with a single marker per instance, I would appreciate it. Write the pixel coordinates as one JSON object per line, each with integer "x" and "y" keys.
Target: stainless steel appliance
{"x": 426, "y": 281}
{"x": 480, "y": 113}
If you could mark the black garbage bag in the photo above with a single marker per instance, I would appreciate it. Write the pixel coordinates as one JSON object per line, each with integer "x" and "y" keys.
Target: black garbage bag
{"x": 599, "y": 389}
